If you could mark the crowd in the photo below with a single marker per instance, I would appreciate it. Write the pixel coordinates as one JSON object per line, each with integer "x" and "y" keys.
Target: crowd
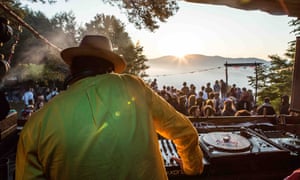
{"x": 31, "y": 98}
{"x": 210, "y": 100}
{"x": 104, "y": 108}
{"x": 217, "y": 100}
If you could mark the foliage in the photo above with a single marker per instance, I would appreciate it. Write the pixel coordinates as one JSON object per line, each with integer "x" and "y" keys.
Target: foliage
{"x": 44, "y": 1}
{"x": 64, "y": 24}
{"x": 143, "y": 14}
{"x": 32, "y": 52}
{"x": 63, "y": 30}
{"x": 146, "y": 13}
{"x": 121, "y": 42}
{"x": 138, "y": 66}
{"x": 260, "y": 80}
{"x": 276, "y": 80}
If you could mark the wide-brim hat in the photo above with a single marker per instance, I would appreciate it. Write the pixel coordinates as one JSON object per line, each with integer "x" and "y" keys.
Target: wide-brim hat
{"x": 96, "y": 46}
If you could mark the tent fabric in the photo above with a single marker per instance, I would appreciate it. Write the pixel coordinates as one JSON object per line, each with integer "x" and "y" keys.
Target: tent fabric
{"x": 274, "y": 7}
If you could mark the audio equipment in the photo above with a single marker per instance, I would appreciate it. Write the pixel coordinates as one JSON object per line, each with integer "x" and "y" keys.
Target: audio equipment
{"x": 239, "y": 153}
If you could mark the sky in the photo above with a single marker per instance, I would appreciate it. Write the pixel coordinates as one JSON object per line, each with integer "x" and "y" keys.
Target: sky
{"x": 195, "y": 29}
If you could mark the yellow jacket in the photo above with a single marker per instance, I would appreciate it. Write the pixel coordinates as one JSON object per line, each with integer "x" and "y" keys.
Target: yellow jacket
{"x": 105, "y": 127}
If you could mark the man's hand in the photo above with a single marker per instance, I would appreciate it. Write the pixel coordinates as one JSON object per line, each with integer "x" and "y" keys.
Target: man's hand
{"x": 178, "y": 161}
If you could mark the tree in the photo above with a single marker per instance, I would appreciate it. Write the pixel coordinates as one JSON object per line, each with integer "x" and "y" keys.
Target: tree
{"x": 146, "y": 13}
{"x": 142, "y": 13}
{"x": 64, "y": 25}
{"x": 33, "y": 53}
{"x": 138, "y": 66}
{"x": 121, "y": 42}
{"x": 276, "y": 80}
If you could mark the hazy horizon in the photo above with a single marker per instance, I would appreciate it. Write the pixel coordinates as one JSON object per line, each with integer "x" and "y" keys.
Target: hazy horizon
{"x": 199, "y": 70}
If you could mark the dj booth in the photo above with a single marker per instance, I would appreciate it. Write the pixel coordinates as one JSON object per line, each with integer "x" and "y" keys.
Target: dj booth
{"x": 259, "y": 147}
{"x": 252, "y": 147}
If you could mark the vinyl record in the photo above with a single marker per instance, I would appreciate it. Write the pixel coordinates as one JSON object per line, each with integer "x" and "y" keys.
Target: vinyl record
{"x": 226, "y": 141}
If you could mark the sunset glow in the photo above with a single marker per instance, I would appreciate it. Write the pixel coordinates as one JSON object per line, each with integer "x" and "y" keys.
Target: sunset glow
{"x": 196, "y": 29}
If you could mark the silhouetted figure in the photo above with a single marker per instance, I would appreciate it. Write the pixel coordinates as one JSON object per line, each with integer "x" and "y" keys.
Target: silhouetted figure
{"x": 285, "y": 105}
{"x": 266, "y": 108}
{"x": 104, "y": 125}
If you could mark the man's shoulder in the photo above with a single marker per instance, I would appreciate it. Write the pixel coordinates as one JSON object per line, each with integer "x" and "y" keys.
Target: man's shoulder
{"x": 130, "y": 76}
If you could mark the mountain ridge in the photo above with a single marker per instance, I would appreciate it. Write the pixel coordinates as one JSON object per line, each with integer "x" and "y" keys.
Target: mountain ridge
{"x": 190, "y": 58}
{"x": 200, "y": 69}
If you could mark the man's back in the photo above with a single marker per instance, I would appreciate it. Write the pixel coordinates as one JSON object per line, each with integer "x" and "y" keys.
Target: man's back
{"x": 102, "y": 127}
{"x": 266, "y": 110}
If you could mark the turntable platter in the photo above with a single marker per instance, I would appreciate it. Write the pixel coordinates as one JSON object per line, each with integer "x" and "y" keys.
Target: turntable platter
{"x": 226, "y": 141}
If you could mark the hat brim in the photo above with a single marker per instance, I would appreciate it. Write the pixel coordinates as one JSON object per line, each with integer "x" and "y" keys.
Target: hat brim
{"x": 69, "y": 53}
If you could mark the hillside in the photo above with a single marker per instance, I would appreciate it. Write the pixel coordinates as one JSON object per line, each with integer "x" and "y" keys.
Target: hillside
{"x": 199, "y": 69}
{"x": 196, "y": 60}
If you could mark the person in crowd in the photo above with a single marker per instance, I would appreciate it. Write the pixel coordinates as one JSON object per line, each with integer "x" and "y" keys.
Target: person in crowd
{"x": 191, "y": 101}
{"x": 208, "y": 88}
{"x": 208, "y": 108}
{"x": 242, "y": 112}
{"x": 40, "y": 102}
{"x": 52, "y": 93}
{"x": 46, "y": 93}
{"x": 28, "y": 96}
{"x": 185, "y": 89}
{"x": 223, "y": 89}
{"x": 253, "y": 111}
{"x": 199, "y": 100}
{"x": 266, "y": 108}
{"x": 195, "y": 111}
{"x": 218, "y": 103}
{"x": 244, "y": 100}
{"x": 232, "y": 91}
{"x": 285, "y": 105}
{"x": 105, "y": 125}
{"x": 238, "y": 93}
{"x": 27, "y": 112}
{"x": 211, "y": 96}
{"x": 251, "y": 98}
{"x": 217, "y": 87}
{"x": 182, "y": 107}
{"x": 205, "y": 95}
{"x": 229, "y": 108}
{"x": 192, "y": 90}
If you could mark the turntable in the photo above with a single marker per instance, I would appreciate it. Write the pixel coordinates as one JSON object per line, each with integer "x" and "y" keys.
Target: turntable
{"x": 242, "y": 151}
{"x": 226, "y": 141}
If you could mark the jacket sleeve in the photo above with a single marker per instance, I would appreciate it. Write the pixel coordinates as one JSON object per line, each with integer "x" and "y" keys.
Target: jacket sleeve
{"x": 28, "y": 165}
{"x": 175, "y": 126}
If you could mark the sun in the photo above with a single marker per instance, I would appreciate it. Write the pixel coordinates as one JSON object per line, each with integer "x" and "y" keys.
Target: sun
{"x": 178, "y": 44}
{"x": 180, "y": 55}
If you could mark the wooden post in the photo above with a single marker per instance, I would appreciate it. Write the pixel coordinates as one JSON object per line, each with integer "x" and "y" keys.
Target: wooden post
{"x": 295, "y": 98}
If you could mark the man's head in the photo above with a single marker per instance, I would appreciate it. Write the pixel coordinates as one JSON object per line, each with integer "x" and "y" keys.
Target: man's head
{"x": 95, "y": 51}
{"x": 267, "y": 100}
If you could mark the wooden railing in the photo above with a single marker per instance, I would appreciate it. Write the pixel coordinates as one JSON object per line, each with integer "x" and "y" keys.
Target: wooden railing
{"x": 8, "y": 125}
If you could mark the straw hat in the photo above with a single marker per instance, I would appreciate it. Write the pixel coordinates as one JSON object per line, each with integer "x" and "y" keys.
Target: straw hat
{"x": 97, "y": 46}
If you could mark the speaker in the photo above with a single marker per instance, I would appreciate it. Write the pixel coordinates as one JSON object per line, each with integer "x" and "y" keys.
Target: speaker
{"x": 6, "y": 31}
{"x": 295, "y": 98}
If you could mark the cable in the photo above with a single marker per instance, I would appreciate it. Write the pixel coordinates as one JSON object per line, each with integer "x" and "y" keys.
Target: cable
{"x": 23, "y": 23}
{"x": 191, "y": 72}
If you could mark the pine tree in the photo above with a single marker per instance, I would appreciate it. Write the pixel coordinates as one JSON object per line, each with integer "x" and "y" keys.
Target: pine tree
{"x": 275, "y": 80}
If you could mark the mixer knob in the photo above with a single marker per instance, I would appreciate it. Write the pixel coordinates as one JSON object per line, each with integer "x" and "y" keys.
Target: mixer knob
{"x": 210, "y": 148}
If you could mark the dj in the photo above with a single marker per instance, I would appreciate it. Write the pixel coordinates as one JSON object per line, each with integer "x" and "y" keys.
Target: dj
{"x": 104, "y": 126}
